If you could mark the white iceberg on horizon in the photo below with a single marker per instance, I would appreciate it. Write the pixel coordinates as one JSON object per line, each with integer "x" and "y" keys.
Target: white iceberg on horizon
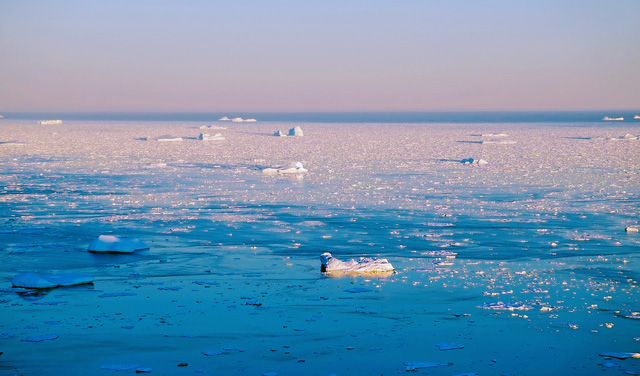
{"x": 279, "y": 134}
{"x": 474, "y": 161}
{"x": 365, "y": 265}
{"x": 114, "y": 244}
{"x": 164, "y": 138}
{"x": 297, "y": 131}
{"x": 251, "y": 120}
{"x": 48, "y": 281}
{"x": 608, "y": 118}
{"x": 50, "y": 122}
{"x": 296, "y": 168}
{"x": 224, "y": 118}
{"x": 237, "y": 120}
{"x": 207, "y": 137}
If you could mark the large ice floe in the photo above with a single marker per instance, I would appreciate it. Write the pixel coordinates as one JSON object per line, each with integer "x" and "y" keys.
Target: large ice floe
{"x": 297, "y": 131}
{"x": 365, "y": 265}
{"x": 164, "y": 138}
{"x": 294, "y": 168}
{"x": 48, "y": 281}
{"x": 208, "y": 137}
{"x": 114, "y": 244}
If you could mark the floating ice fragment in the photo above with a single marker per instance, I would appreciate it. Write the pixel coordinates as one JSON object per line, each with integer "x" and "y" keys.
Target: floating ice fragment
{"x": 164, "y": 138}
{"x": 609, "y": 118}
{"x": 47, "y": 281}
{"x": 631, "y": 229}
{"x": 119, "y": 367}
{"x": 208, "y": 137}
{"x": 297, "y": 131}
{"x": 412, "y": 366}
{"x": 110, "y": 243}
{"x": 620, "y": 355}
{"x": 224, "y": 118}
{"x": 279, "y": 134}
{"x": 50, "y": 122}
{"x": 250, "y": 120}
{"x": 449, "y": 346}
{"x": 43, "y": 337}
{"x": 237, "y": 120}
{"x": 474, "y": 161}
{"x": 365, "y": 265}
{"x": 506, "y": 306}
{"x": 296, "y": 168}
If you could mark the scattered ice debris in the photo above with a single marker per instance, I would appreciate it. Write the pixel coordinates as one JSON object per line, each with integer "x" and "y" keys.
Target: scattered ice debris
{"x": 355, "y": 290}
{"x": 297, "y": 131}
{"x": 296, "y": 168}
{"x": 50, "y": 122}
{"x": 13, "y": 143}
{"x": 110, "y": 243}
{"x": 412, "y": 366}
{"x": 449, "y": 346}
{"x": 620, "y": 355}
{"x": 609, "y": 118}
{"x": 119, "y": 367}
{"x": 43, "y": 337}
{"x": 279, "y": 134}
{"x": 507, "y": 306}
{"x": 47, "y": 281}
{"x": 224, "y": 118}
{"x": 208, "y": 137}
{"x": 116, "y": 294}
{"x": 365, "y": 265}
{"x": 474, "y": 161}
{"x": 631, "y": 229}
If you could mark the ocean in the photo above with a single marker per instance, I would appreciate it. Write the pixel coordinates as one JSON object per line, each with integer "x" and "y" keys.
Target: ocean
{"x": 525, "y": 265}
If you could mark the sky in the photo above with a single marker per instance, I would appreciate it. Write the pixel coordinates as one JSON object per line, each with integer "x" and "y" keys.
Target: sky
{"x": 331, "y": 55}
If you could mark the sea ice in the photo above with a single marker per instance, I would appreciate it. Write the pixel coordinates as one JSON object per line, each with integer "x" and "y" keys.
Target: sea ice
{"x": 237, "y": 120}
{"x": 279, "y": 134}
{"x": 297, "y": 131}
{"x": 224, "y": 118}
{"x": 110, "y": 243}
{"x": 50, "y": 122}
{"x": 164, "y": 138}
{"x": 46, "y": 281}
{"x": 631, "y": 229}
{"x": 296, "y": 168}
{"x": 365, "y": 265}
{"x": 507, "y": 306}
{"x": 412, "y": 366}
{"x": 207, "y": 137}
{"x": 474, "y": 161}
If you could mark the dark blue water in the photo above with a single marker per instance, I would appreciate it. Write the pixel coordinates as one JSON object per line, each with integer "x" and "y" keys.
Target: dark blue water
{"x": 345, "y": 117}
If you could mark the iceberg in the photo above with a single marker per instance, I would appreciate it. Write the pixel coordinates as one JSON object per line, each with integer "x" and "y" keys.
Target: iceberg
{"x": 250, "y": 120}
{"x": 279, "y": 134}
{"x": 297, "y": 131}
{"x": 114, "y": 244}
{"x": 365, "y": 265}
{"x": 49, "y": 281}
{"x": 50, "y": 122}
{"x": 631, "y": 229}
{"x": 637, "y": 117}
{"x": 224, "y": 118}
{"x": 296, "y": 168}
{"x": 474, "y": 161}
{"x": 207, "y": 137}
{"x": 237, "y": 120}
{"x": 164, "y": 138}
{"x": 608, "y": 118}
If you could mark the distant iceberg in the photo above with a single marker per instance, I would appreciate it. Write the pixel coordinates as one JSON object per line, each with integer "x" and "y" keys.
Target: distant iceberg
{"x": 211, "y": 127}
{"x": 279, "y": 134}
{"x": 250, "y": 120}
{"x": 207, "y": 137}
{"x": 474, "y": 161}
{"x": 164, "y": 138}
{"x": 110, "y": 243}
{"x": 365, "y": 265}
{"x": 607, "y": 118}
{"x": 297, "y": 131}
{"x": 48, "y": 281}
{"x": 637, "y": 117}
{"x": 296, "y": 168}
{"x": 503, "y": 142}
{"x": 224, "y": 118}
{"x": 50, "y": 122}
{"x": 237, "y": 120}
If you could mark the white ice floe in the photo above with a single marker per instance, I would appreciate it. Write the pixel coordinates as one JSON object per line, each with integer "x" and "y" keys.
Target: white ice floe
{"x": 637, "y": 117}
{"x": 50, "y": 122}
{"x": 608, "y": 118}
{"x": 365, "y": 265}
{"x": 412, "y": 366}
{"x": 631, "y": 229}
{"x": 297, "y": 131}
{"x": 620, "y": 355}
{"x": 250, "y": 120}
{"x": 164, "y": 138}
{"x": 507, "y": 306}
{"x": 279, "y": 134}
{"x": 295, "y": 168}
{"x": 208, "y": 137}
{"x": 224, "y": 118}
{"x": 503, "y": 142}
{"x": 626, "y": 137}
{"x": 237, "y": 120}
{"x": 474, "y": 161}
{"x": 47, "y": 281}
{"x": 110, "y": 243}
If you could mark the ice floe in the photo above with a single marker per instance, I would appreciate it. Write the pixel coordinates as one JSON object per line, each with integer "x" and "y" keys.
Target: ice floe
{"x": 296, "y": 131}
{"x": 114, "y": 244}
{"x": 365, "y": 265}
{"x": 47, "y": 281}
{"x": 237, "y": 120}
{"x": 43, "y": 337}
{"x": 208, "y": 137}
{"x": 412, "y": 366}
{"x": 474, "y": 161}
{"x": 507, "y": 306}
{"x": 631, "y": 229}
{"x": 609, "y": 118}
{"x": 294, "y": 168}
{"x": 164, "y": 138}
{"x": 50, "y": 122}
{"x": 211, "y": 126}
{"x": 279, "y": 134}
{"x": 224, "y": 118}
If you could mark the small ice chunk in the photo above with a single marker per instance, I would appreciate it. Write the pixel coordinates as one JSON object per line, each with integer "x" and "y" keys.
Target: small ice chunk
{"x": 295, "y": 168}
{"x": 116, "y": 294}
{"x": 620, "y": 355}
{"x": 474, "y": 161}
{"x": 119, "y": 367}
{"x": 631, "y": 229}
{"x": 164, "y": 138}
{"x": 412, "y": 366}
{"x": 250, "y": 120}
{"x": 43, "y": 337}
{"x": 46, "y": 281}
{"x": 507, "y": 306}
{"x": 110, "y": 243}
{"x": 279, "y": 134}
{"x": 297, "y": 131}
{"x": 364, "y": 265}
{"x": 449, "y": 346}
{"x": 50, "y": 122}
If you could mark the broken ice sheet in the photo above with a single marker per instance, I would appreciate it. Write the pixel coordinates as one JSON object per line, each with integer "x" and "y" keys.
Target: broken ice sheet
{"x": 412, "y": 366}
{"x": 449, "y": 346}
